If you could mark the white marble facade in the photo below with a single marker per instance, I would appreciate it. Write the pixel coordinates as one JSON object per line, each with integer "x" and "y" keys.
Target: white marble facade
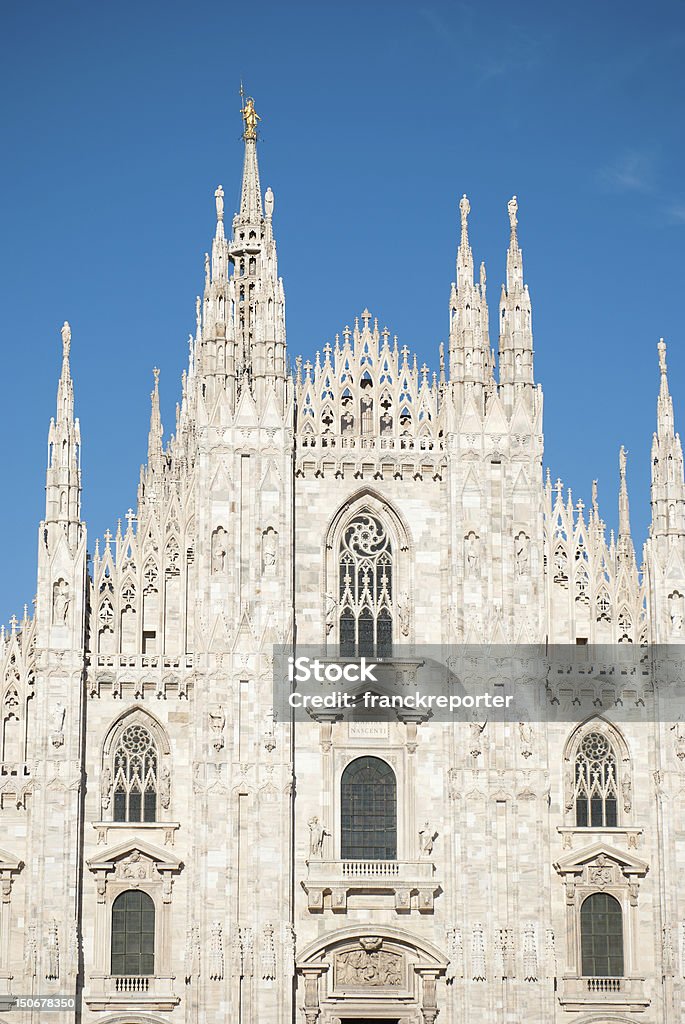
{"x": 158, "y": 648}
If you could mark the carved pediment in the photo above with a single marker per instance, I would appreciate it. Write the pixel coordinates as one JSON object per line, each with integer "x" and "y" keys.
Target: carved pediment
{"x": 9, "y": 863}
{"x": 601, "y": 864}
{"x": 134, "y": 859}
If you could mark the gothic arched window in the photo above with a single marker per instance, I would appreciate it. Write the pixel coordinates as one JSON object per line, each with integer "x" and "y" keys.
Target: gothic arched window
{"x": 369, "y": 810}
{"x": 601, "y": 936}
{"x": 135, "y": 776}
{"x": 365, "y": 589}
{"x": 133, "y": 933}
{"x": 595, "y": 783}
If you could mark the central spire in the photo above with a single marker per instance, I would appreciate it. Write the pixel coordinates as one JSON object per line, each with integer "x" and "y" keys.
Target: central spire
{"x": 251, "y": 194}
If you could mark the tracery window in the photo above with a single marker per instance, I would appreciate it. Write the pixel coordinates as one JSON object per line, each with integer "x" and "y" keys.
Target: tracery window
{"x": 365, "y": 591}
{"x": 595, "y": 783}
{"x": 133, "y": 933}
{"x": 135, "y": 776}
{"x": 369, "y": 810}
{"x": 601, "y": 936}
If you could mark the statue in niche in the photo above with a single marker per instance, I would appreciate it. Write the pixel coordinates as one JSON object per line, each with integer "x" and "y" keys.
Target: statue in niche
{"x": 61, "y": 600}
{"x": 269, "y": 550}
{"x": 679, "y": 741}
{"x": 472, "y": 553}
{"x": 477, "y": 738}
{"x": 522, "y": 548}
{"x": 217, "y": 720}
{"x": 317, "y": 834}
{"x": 57, "y": 716}
{"x": 427, "y": 837}
{"x": 675, "y": 610}
{"x": 526, "y": 738}
{"x": 219, "y": 550}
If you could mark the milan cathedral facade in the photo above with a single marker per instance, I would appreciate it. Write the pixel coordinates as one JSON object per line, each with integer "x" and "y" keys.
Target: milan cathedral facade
{"x": 172, "y": 852}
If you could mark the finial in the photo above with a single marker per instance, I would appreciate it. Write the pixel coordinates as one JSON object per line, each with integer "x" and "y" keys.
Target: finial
{"x": 662, "y": 356}
{"x": 219, "y": 199}
{"x": 250, "y": 117}
{"x": 441, "y": 350}
{"x": 155, "y": 374}
{"x": 465, "y": 209}
{"x": 206, "y": 270}
{"x": 366, "y": 316}
{"x": 66, "y": 339}
{"x": 512, "y": 207}
{"x": 594, "y": 496}
{"x": 622, "y": 462}
{"x": 483, "y": 277}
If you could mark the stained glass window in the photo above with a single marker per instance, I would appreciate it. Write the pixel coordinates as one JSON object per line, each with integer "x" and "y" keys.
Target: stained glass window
{"x": 595, "y": 783}
{"x": 365, "y": 592}
{"x": 135, "y": 776}
{"x": 369, "y": 810}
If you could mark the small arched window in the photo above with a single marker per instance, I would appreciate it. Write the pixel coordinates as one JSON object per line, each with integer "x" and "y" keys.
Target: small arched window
{"x": 135, "y": 776}
{"x": 595, "y": 783}
{"x": 366, "y": 580}
{"x": 369, "y": 810}
{"x": 133, "y": 933}
{"x": 601, "y": 936}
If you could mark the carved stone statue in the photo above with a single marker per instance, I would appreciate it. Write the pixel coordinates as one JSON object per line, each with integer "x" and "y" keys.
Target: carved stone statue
{"x": 331, "y": 606}
{"x": 626, "y": 790}
{"x": 219, "y": 550}
{"x": 464, "y": 209}
{"x": 66, "y": 338}
{"x": 317, "y": 834}
{"x": 522, "y": 554}
{"x": 526, "y": 738}
{"x": 472, "y": 553}
{"x": 57, "y": 724}
{"x": 403, "y": 613}
{"x": 217, "y": 720}
{"x": 60, "y": 602}
{"x": 512, "y": 207}
{"x": 477, "y": 737}
{"x": 675, "y": 610}
{"x": 427, "y": 837}
{"x": 106, "y": 786}
{"x": 269, "y": 204}
{"x": 269, "y": 550}
{"x": 165, "y": 788}
{"x": 219, "y": 199}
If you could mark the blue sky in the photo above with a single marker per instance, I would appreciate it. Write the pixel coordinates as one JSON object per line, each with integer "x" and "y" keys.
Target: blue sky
{"x": 119, "y": 120}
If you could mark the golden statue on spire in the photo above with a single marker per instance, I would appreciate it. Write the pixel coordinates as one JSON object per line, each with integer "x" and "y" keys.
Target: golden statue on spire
{"x": 250, "y": 117}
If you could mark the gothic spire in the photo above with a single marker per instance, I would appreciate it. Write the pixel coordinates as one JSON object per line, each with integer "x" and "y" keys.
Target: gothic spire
{"x": 154, "y": 442}
{"x": 668, "y": 487}
{"x": 469, "y": 346}
{"x": 516, "y": 334}
{"x": 251, "y": 193}
{"x": 625, "y": 550}
{"x": 63, "y": 478}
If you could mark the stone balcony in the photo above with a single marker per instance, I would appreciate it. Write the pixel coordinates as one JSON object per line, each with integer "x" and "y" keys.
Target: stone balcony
{"x": 627, "y": 994}
{"x": 128, "y": 992}
{"x": 412, "y": 884}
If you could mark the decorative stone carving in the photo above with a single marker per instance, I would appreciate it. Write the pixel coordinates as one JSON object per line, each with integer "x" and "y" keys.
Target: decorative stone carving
{"x": 375, "y": 968}
{"x": 106, "y": 786}
{"x": 626, "y": 790}
{"x": 52, "y": 952}
{"x": 601, "y": 873}
{"x": 477, "y": 954}
{"x": 31, "y": 952}
{"x": 530, "y": 953}
{"x": 216, "y": 952}
{"x": 57, "y": 724}
{"x": 192, "y": 954}
{"x": 268, "y": 959}
{"x": 676, "y": 612}
{"x": 136, "y": 865}
{"x": 526, "y": 739}
{"x": 455, "y": 952}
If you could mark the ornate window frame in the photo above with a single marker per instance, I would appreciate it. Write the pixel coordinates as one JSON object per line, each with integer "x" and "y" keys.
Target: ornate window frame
{"x": 134, "y": 864}
{"x": 624, "y": 774}
{"x": 367, "y": 501}
{"x": 142, "y": 717}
